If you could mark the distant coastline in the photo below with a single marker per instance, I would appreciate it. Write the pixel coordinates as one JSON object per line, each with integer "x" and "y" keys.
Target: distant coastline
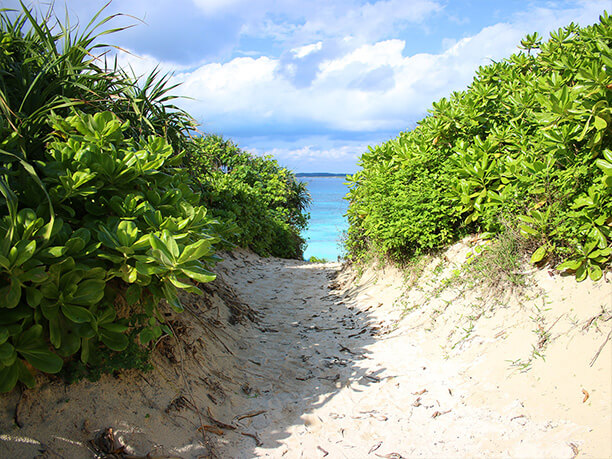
{"x": 319, "y": 174}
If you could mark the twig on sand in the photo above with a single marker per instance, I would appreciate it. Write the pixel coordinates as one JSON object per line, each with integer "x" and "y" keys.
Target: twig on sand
{"x": 586, "y": 395}
{"x": 440, "y": 413}
{"x": 219, "y": 423}
{"x": 375, "y": 447}
{"x": 554, "y": 323}
{"x": 575, "y": 449}
{"x": 211, "y": 429}
{"x": 358, "y": 333}
{"x": 325, "y": 453}
{"x": 601, "y": 348}
{"x": 258, "y": 442}
{"x": 249, "y": 415}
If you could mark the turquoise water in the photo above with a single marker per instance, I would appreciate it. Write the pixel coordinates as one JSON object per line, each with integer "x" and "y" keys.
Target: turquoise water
{"x": 327, "y": 220}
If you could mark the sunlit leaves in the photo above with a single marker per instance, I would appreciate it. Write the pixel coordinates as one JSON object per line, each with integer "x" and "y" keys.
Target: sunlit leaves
{"x": 526, "y": 145}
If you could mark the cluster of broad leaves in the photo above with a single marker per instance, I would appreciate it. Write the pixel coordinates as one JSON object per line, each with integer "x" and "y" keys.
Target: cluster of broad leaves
{"x": 528, "y": 144}
{"x": 264, "y": 201}
{"x": 125, "y": 228}
{"x": 100, "y": 218}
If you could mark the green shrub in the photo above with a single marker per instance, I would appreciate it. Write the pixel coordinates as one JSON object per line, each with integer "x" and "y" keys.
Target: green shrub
{"x": 126, "y": 229}
{"x": 264, "y": 201}
{"x": 98, "y": 221}
{"x": 529, "y": 138}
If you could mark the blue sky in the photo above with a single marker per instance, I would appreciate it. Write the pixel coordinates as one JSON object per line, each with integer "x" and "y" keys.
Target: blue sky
{"x": 315, "y": 82}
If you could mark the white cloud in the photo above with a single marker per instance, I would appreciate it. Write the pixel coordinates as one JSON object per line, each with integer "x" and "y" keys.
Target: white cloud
{"x": 303, "y": 51}
{"x": 387, "y": 52}
{"x": 369, "y": 87}
{"x": 357, "y": 86}
{"x": 316, "y": 154}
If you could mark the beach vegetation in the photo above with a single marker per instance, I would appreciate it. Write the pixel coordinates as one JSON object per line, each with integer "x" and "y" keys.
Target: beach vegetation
{"x": 102, "y": 225}
{"x": 262, "y": 204}
{"x": 525, "y": 148}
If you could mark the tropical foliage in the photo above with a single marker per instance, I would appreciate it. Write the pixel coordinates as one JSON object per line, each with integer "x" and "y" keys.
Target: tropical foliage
{"x": 264, "y": 201}
{"x": 528, "y": 144}
{"x": 101, "y": 223}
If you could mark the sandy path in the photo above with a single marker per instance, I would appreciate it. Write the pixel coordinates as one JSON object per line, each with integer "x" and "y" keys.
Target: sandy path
{"x": 344, "y": 367}
{"x": 337, "y": 374}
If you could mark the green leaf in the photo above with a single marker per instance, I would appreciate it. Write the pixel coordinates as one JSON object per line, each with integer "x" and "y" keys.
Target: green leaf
{"x": 600, "y": 124}
{"x": 114, "y": 327}
{"x": 54, "y": 252}
{"x": 5, "y": 263}
{"x": 149, "y": 269}
{"x": 177, "y": 283}
{"x": 85, "y": 343}
{"x": 117, "y": 259}
{"x": 166, "y": 255}
{"x": 55, "y": 332}
{"x": 127, "y": 233}
{"x": 527, "y": 230}
{"x": 107, "y": 238}
{"x": 113, "y": 340}
{"x": 11, "y": 294}
{"x": 33, "y": 296}
{"x": 43, "y": 359}
{"x": 570, "y": 264}
{"x": 605, "y": 166}
{"x": 35, "y": 275}
{"x": 25, "y": 251}
{"x": 595, "y": 273}
{"x": 581, "y": 272}
{"x": 539, "y": 254}
{"x": 8, "y": 355}
{"x": 197, "y": 272}
{"x": 195, "y": 251}
{"x": 146, "y": 335}
{"x": 107, "y": 316}
{"x": 77, "y": 314}
{"x": 74, "y": 245}
{"x": 25, "y": 376}
{"x": 71, "y": 343}
{"x": 33, "y": 334}
{"x": 13, "y": 316}
{"x": 132, "y": 294}
{"x": 172, "y": 298}
{"x": 8, "y": 377}
{"x": 89, "y": 292}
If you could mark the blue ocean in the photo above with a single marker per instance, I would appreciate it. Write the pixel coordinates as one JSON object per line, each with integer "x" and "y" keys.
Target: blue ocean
{"x": 327, "y": 217}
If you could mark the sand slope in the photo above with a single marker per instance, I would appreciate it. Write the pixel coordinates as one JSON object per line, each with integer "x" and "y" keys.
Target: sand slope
{"x": 290, "y": 359}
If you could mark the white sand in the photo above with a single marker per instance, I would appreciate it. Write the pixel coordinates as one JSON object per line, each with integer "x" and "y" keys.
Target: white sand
{"x": 339, "y": 365}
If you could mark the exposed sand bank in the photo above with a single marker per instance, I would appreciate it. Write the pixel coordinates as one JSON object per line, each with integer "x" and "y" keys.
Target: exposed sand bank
{"x": 341, "y": 365}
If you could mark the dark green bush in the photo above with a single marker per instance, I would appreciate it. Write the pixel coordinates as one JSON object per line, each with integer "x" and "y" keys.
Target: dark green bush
{"x": 528, "y": 143}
